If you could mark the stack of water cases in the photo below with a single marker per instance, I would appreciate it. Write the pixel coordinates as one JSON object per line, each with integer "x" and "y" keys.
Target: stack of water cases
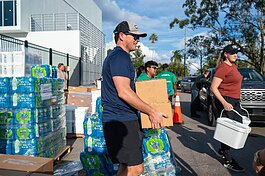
{"x": 32, "y": 114}
{"x": 157, "y": 154}
{"x": 95, "y": 158}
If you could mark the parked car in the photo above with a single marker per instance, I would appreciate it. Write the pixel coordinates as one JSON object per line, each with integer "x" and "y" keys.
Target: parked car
{"x": 186, "y": 83}
{"x": 252, "y": 95}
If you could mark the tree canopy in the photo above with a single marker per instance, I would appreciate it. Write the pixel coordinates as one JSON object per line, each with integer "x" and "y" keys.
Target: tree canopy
{"x": 137, "y": 57}
{"x": 153, "y": 38}
{"x": 241, "y": 22}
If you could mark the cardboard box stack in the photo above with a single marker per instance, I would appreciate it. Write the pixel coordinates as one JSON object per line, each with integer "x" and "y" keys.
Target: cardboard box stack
{"x": 80, "y": 100}
{"x": 154, "y": 92}
{"x": 32, "y": 114}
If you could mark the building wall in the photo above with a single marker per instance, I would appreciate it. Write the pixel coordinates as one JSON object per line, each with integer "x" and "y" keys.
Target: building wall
{"x": 89, "y": 26}
{"x": 87, "y": 8}
{"x": 63, "y": 41}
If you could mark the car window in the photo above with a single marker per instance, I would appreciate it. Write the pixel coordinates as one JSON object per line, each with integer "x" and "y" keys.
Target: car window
{"x": 185, "y": 79}
{"x": 250, "y": 75}
{"x": 193, "y": 79}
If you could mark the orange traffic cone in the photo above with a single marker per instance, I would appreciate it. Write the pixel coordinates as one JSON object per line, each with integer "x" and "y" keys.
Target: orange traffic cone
{"x": 177, "y": 117}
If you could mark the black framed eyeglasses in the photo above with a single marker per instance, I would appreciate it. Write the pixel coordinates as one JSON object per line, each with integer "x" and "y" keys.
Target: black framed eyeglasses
{"x": 154, "y": 67}
{"x": 135, "y": 37}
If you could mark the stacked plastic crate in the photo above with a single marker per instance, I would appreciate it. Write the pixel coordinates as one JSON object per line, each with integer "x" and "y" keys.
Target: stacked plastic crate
{"x": 17, "y": 63}
{"x": 32, "y": 114}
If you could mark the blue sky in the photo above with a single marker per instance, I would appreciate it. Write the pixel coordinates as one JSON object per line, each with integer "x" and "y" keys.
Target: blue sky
{"x": 151, "y": 16}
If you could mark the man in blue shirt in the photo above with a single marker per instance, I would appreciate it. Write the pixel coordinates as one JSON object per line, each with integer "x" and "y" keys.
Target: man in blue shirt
{"x": 120, "y": 103}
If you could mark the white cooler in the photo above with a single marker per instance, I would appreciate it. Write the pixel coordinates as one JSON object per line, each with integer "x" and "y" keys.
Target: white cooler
{"x": 232, "y": 133}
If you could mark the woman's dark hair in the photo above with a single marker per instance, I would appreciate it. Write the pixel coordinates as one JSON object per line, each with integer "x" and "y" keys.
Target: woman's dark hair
{"x": 59, "y": 65}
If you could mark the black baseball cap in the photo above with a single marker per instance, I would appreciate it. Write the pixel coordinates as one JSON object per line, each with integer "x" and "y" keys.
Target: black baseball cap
{"x": 231, "y": 48}
{"x": 128, "y": 28}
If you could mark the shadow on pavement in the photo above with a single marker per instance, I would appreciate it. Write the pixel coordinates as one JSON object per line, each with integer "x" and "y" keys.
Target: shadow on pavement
{"x": 185, "y": 167}
{"x": 201, "y": 140}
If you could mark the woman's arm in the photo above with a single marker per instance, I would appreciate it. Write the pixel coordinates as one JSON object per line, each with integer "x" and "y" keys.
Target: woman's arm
{"x": 214, "y": 88}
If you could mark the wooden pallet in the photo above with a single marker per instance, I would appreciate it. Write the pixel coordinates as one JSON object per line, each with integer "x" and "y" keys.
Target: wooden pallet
{"x": 66, "y": 151}
{"x": 75, "y": 135}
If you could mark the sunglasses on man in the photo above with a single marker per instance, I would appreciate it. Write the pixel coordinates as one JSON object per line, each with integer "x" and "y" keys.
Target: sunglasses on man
{"x": 154, "y": 67}
{"x": 135, "y": 37}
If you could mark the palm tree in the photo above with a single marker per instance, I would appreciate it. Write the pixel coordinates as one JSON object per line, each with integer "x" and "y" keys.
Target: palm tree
{"x": 153, "y": 38}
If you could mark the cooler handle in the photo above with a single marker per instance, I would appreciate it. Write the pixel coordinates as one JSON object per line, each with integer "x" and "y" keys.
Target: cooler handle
{"x": 236, "y": 112}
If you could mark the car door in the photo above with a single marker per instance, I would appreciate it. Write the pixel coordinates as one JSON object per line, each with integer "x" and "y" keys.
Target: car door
{"x": 205, "y": 90}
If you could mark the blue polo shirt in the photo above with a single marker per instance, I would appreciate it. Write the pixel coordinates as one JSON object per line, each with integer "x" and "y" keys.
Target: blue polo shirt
{"x": 117, "y": 63}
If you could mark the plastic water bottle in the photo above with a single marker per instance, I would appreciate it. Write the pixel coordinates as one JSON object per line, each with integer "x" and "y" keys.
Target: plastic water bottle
{"x": 14, "y": 99}
{"x": 14, "y": 83}
{"x": 16, "y": 146}
{"x": 89, "y": 126}
{"x": 89, "y": 144}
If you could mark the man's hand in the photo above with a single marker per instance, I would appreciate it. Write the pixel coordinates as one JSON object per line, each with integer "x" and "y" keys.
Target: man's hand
{"x": 156, "y": 118}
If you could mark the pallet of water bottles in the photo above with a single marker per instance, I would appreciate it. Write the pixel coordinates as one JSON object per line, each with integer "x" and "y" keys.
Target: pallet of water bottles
{"x": 29, "y": 131}
{"x": 30, "y": 92}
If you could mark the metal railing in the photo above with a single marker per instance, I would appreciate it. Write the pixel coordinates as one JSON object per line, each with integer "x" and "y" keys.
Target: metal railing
{"x": 92, "y": 40}
{"x": 82, "y": 72}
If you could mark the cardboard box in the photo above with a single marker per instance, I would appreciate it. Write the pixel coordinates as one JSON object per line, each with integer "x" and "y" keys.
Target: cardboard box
{"x": 154, "y": 92}
{"x": 163, "y": 107}
{"x": 81, "y": 89}
{"x": 82, "y": 99}
{"x": 13, "y": 163}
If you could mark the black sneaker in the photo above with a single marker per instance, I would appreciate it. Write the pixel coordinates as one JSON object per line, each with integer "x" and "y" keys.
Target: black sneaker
{"x": 233, "y": 165}
{"x": 221, "y": 153}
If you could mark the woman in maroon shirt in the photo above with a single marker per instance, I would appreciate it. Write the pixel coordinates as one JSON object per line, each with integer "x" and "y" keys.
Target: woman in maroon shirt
{"x": 226, "y": 87}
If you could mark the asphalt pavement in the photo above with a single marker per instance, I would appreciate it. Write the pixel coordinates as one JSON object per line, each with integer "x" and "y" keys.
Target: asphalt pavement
{"x": 196, "y": 150}
{"x": 194, "y": 147}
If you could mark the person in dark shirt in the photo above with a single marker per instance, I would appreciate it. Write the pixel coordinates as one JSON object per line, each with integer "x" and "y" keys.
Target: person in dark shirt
{"x": 120, "y": 103}
{"x": 140, "y": 70}
{"x": 195, "y": 101}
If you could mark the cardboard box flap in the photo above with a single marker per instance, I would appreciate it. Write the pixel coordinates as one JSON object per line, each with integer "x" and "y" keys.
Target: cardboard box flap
{"x": 152, "y": 91}
{"x": 163, "y": 107}
{"x": 81, "y": 89}
{"x": 26, "y": 163}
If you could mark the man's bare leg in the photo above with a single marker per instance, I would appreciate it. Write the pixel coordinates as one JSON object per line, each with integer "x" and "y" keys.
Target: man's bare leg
{"x": 130, "y": 170}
